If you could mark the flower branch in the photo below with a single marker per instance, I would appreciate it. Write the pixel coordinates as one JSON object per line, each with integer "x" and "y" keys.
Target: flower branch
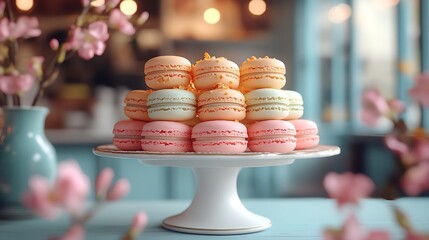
{"x": 87, "y": 37}
{"x": 69, "y": 193}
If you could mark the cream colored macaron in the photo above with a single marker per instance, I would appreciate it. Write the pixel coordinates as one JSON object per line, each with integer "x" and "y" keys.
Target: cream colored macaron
{"x": 267, "y": 104}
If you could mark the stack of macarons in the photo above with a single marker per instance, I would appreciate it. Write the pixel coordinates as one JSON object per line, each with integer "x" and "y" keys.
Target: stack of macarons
{"x": 220, "y": 107}
{"x": 214, "y": 106}
{"x": 272, "y": 112}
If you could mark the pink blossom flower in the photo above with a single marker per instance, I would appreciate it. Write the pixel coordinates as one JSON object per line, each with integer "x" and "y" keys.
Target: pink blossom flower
{"x": 25, "y": 27}
{"x": 347, "y": 188}
{"x": 119, "y": 21}
{"x": 14, "y": 84}
{"x": 68, "y": 192}
{"x": 416, "y": 179}
{"x": 103, "y": 182}
{"x": 394, "y": 144}
{"x": 71, "y": 186}
{"x": 38, "y": 197}
{"x": 420, "y": 91}
{"x": 353, "y": 230}
{"x": 89, "y": 41}
{"x": 119, "y": 190}
{"x": 374, "y": 107}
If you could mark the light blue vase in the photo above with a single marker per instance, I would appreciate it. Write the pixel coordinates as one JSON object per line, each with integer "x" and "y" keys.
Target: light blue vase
{"x": 24, "y": 152}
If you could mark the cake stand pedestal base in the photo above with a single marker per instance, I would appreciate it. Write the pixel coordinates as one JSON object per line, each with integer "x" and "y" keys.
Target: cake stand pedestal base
{"x": 216, "y": 208}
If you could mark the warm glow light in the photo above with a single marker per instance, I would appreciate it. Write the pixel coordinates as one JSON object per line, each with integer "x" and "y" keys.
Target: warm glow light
{"x": 24, "y": 5}
{"x": 211, "y": 15}
{"x": 257, "y": 7}
{"x": 97, "y": 3}
{"x": 128, "y": 7}
{"x": 340, "y": 13}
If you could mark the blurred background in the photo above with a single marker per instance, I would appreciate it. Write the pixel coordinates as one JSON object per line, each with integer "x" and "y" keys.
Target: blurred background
{"x": 333, "y": 49}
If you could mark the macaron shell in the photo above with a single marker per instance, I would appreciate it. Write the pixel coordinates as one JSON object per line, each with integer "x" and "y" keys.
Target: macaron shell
{"x": 262, "y": 73}
{"x": 305, "y": 142}
{"x": 137, "y": 113}
{"x": 209, "y": 81}
{"x": 220, "y": 146}
{"x": 128, "y": 128}
{"x": 272, "y": 136}
{"x": 263, "y": 80}
{"x": 279, "y": 144}
{"x": 216, "y": 65}
{"x": 166, "y": 136}
{"x": 219, "y": 128}
{"x": 127, "y": 144}
{"x": 209, "y": 73}
{"x": 166, "y": 129}
{"x": 167, "y": 79}
{"x": 165, "y": 145}
{"x": 225, "y": 111}
{"x": 296, "y": 108}
{"x": 172, "y": 105}
{"x": 221, "y": 104}
{"x": 262, "y": 65}
{"x": 171, "y": 96}
{"x": 127, "y": 135}
{"x": 266, "y": 95}
{"x": 167, "y": 63}
{"x": 306, "y": 133}
{"x": 219, "y": 136}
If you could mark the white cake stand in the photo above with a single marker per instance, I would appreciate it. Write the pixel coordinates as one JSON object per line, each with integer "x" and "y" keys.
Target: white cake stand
{"x": 216, "y": 208}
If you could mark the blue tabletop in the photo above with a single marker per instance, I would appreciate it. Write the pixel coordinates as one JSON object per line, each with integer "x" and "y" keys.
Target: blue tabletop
{"x": 295, "y": 218}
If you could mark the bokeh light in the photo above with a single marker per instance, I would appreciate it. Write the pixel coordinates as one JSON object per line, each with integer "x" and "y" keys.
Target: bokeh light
{"x": 340, "y": 13}
{"x": 24, "y": 5}
{"x": 211, "y": 15}
{"x": 257, "y": 7}
{"x": 128, "y": 7}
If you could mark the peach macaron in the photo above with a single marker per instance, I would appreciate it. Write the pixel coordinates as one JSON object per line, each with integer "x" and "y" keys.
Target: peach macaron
{"x": 221, "y": 104}
{"x": 127, "y": 135}
{"x": 166, "y": 136}
{"x": 306, "y": 133}
{"x": 262, "y": 73}
{"x": 272, "y": 136}
{"x": 167, "y": 72}
{"x": 211, "y": 72}
{"x": 136, "y": 105}
{"x": 219, "y": 137}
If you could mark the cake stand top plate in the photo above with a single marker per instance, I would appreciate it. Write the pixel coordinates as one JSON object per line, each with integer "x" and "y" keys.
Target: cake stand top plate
{"x": 206, "y": 160}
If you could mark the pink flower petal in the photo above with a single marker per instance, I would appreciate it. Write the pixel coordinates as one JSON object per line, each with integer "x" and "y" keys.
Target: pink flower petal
{"x": 348, "y": 188}
{"x": 38, "y": 197}
{"x": 374, "y": 107}
{"x": 119, "y": 190}
{"x": 119, "y": 21}
{"x": 103, "y": 182}
{"x": 139, "y": 221}
{"x": 395, "y": 145}
{"x": 15, "y": 84}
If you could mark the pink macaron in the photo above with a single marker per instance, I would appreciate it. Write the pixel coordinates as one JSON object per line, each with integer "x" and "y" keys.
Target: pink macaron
{"x": 127, "y": 135}
{"x": 219, "y": 136}
{"x": 166, "y": 136}
{"x": 272, "y": 136}
{"x": 306, "y": 133}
